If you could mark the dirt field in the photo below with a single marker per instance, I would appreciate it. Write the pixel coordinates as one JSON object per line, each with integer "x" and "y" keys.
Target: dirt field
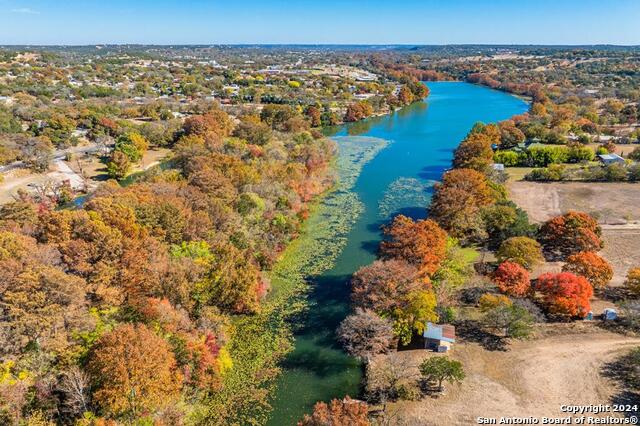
{"x": 611, "y": 203}
{"x": 614, "y": 204}
{"x": 532, "y": 378}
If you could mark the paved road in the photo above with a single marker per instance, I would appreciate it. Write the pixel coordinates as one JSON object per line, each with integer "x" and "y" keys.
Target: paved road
{"x": 59, "y": 154}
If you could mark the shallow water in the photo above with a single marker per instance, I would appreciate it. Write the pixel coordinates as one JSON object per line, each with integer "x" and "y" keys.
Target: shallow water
{"x": 398, "y": 180}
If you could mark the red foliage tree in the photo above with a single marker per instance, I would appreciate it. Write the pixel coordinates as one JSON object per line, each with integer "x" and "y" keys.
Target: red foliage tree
{"x": 591, "y": 266}
{"x": 565, "y": 294}
{"x": 571, "y": 233}
{"x": 512, "y": 279}
{"x": 423, "y": 244}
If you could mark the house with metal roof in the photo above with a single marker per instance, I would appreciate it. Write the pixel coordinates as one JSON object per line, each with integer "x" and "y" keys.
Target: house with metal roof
{"x": 439, "y": 337}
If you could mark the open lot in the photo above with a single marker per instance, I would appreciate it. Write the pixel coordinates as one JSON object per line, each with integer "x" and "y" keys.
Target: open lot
{"x": 564, "y": 365}
{"x": 613, "y": 204}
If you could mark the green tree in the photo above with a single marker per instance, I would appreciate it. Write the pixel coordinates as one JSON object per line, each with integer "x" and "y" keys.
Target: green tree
{"x": 512, "y": 320}
{"x": 442, "y": 369}
{"x": 524, "y": 251}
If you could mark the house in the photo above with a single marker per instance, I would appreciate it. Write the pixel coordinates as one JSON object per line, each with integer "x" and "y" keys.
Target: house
{"x": 608, "y": 159}
{"x": 439, "y": 337}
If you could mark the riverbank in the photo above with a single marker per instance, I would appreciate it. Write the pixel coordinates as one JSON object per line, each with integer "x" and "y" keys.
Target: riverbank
{"x": 259, "y": 342}
{"x": 399, "y": 179}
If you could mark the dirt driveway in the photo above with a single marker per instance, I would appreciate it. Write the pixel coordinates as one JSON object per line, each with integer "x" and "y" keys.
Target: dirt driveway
{"x": 533, "y": 378}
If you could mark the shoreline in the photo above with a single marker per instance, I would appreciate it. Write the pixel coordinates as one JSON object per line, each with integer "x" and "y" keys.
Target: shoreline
{"x": 261, "y": 342}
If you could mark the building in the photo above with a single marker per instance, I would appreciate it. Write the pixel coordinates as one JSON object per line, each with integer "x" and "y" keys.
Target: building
{"x": 609, "y": 314}
{"x": 439, "y": 337}
{"x": 608, "y": 159}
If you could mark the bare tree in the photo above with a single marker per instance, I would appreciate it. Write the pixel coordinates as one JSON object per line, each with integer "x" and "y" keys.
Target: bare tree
{"x": 364, "y": 334}
{"x": 391, "y": 378}
{"x": 75, "y": 386}
{"x": 36, "y": 153}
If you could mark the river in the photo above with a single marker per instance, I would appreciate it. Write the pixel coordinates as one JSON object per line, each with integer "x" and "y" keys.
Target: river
{"x": 421, "y": 139}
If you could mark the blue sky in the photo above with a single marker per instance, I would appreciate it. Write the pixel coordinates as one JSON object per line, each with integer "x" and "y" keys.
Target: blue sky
{"x": 320, "y": 21}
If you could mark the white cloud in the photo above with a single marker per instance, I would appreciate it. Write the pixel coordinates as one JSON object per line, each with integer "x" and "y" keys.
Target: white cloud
{"x": 25, "y": 11}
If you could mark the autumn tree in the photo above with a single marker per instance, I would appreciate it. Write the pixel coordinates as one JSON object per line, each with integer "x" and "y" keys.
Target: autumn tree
{"x": 510, "y": 135}
{"x": 346, "y": 412}
{"x": 358, "y": 111}
{"x": 590, "y": 266}
{"x": 133, "y": 371}
{"x": 133, "y": 145}
{"x": 41, "y": 304}
{"x": 421, "y": 243}
{"x": 231, "y": 281}
{"x": 383, "y": 284}
{"x": 632, "y": 283}
{"x": 364, "y": 334}
{"x": 457, "y": 202}
{"x": 524, "y": 251}
{"x": 489, "y": 301}
{"x": 390, "y": 380}
{"x": 253, "y": 130}
{"x": 215, "y": 122}
{"x": 119, "y": 165}
{"x": 314, "y": 115}
{"x": 565, "y": 294}
{"x": 441, "y": 369}
{"x": 571, "y": 233}
{"x": 474, "y": 152}
{"x": 512, "y": 279}
{"x": 405, "y": 96}
{"x": 413, "y": 312}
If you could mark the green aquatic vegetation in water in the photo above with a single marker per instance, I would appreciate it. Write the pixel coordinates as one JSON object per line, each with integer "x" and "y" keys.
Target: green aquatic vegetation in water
{"x": 260, "y": 341}
{"x": 404, "y": 192}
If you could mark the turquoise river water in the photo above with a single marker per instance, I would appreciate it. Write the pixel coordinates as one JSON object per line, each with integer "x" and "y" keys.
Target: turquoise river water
{"x": 399, "y": 179}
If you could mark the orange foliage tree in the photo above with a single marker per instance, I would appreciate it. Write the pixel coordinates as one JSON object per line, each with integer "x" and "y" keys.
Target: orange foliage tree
{"x": 383, "y": 285}
{"x": 215, "y": 121}
{"x": 457, "y": 202}
{"x": 133, "y": 370}
{"x": 571, "y": 233}
{"x": 346, "y": 412}
{"x": 565, "y": 294}
{"x": 512, "y": 279}
{"x": 591, "y": 266}
{"x": 475, "y": 152}
{"x": 421, "y": 243}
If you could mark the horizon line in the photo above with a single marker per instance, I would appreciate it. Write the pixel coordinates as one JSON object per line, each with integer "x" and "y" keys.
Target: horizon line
{"x": 322, "y": 44}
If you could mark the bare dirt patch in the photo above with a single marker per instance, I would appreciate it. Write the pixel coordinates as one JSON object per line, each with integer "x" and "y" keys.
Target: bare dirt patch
{"x": 615, "y": 205}
{"x": 610, "y": 203}
{"x": 532, "y": 378}
{"x": 622, "y": 250}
